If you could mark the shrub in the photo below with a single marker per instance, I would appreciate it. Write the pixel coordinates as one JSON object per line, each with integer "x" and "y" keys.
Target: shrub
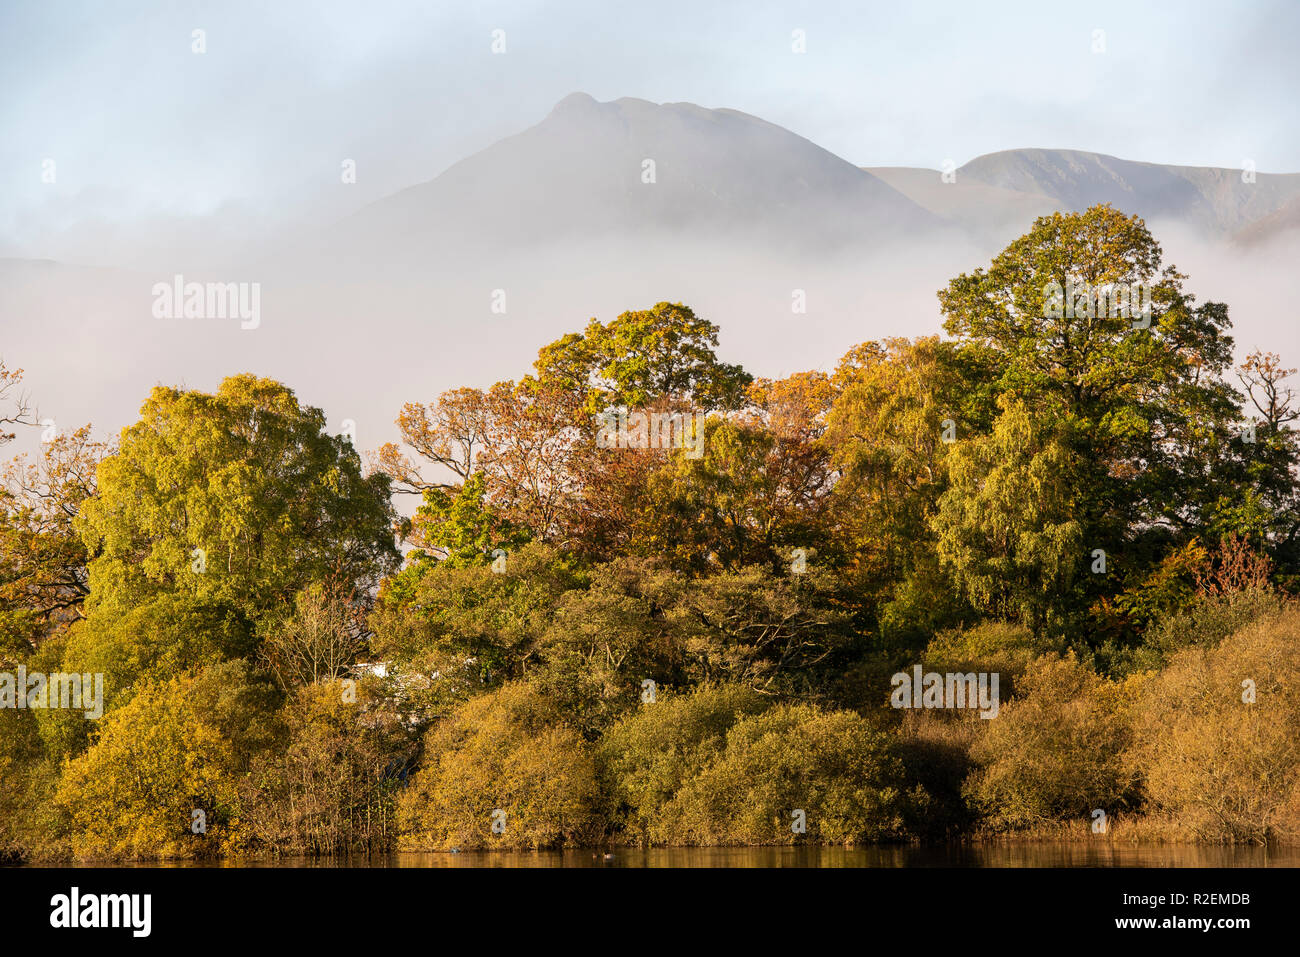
{"x": 1211, "y": 618}
{"x": 153, "y": 763}
{"x": 1227, "y": 769}
{"x": 504, "y": 751}
{"x": 647, "y": 757}
{"x": 1055, "y": 751}
{"x": 837, "y": 768}
{"x": 999, "y": 647}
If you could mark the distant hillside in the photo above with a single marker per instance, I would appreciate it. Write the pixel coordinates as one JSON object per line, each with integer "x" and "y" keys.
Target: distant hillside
{"x": 1213, "y": 200}
{"x": 579, "y": 174}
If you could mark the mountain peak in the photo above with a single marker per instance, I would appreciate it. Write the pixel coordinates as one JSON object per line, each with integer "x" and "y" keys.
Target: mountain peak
{"x": 634, "y": 167}
{"x": 577, "y": 102}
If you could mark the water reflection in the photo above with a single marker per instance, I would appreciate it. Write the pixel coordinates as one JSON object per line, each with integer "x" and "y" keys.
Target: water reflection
{"x": 1036, "y": 854}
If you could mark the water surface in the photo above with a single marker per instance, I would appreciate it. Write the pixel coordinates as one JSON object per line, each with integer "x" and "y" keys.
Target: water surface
{"x": 1025, "y": 854}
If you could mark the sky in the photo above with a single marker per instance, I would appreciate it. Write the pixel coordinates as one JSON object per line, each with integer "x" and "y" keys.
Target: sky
{"x": 250, "y": 134}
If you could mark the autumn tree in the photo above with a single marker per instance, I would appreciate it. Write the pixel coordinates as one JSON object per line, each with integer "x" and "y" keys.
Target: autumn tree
{"x": 1081, "y": 321}
{"x": 43, "y": 561}
{"x": 644, "y": 355}
{"x": 15, "y": 405}
{"x": 447, "y": 434}
{"x": 1262, "y": 500}
{"x": 1006, "y": 526}
{"x": 534, "y": 442}
{"x": 237, "y": 497}
{"x": 1140, "y": 392}
{"x": 899, "y": 404}
{"x": 458, "y": 526}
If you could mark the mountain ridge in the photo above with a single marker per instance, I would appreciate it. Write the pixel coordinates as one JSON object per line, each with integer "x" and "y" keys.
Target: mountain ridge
{"x": 631, "y": 167}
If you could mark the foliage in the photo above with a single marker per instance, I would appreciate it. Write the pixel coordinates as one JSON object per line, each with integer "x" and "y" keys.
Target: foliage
{"x": 237, "y": 498}
{"x": 834, "y": 766}
{"x": 502, "y": 758}
{"x": 1055, "y": 751}
{"x": 681, "y": 642}
{"x": 1218, "y": 735}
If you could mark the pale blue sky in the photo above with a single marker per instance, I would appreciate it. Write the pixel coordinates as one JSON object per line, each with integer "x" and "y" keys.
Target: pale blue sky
{"x": 141, "y": 127}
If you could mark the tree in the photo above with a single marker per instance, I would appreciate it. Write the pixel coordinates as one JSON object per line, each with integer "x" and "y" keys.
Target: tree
{"x": 521, "y": 442}
{"x": 608, "y": 638}
{"x": 1079, "y": 320}
{"x": 457, "y": 527}
{"x": 780, "y": 636}
{"x": 1263, "y": 501}
{"x": 330, "y": 788}
{"x": 43, "y": 575}
{"x": 448, "y": 434}
{"x": 1218, "y": 735}
{"x": 885, "y": 434}
{"x": 318, "y": 638}
{"x": 1005, "y": 526}
{"x": 529, "y": 458}
{"x": 474, "y": 626}
{"x": 835, "y": 767}
{"x": 743, "y": 502}
{"x": 760, "y": 488}
{"x": 22, "y": 412}
{"x": 665, "y": 352}
{"x": 534, "y": 445}
{"x": 1143, "y": 402}
{"x": 648, "y": 756}
{"x": 237, "y": 497}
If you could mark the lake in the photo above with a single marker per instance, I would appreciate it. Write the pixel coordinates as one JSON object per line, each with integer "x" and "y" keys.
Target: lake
{"x": 1025, "y": 854}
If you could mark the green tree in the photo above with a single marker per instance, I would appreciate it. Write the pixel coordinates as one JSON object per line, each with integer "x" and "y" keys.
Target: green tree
{"x": 1079, "y": 320}
{"x": 237, "y": 498}
{"x": 457, "y": 527}
{"x": 1006, "y": 528}
{"x": 643, "y": 356}
{"x": 475, "y": 626}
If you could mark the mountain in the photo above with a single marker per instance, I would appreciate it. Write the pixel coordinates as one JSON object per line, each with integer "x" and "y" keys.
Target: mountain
{"x": 580, "y": 173}
{"x": 633, "y": 172}
{"x": 743, "y": 221}
{"x": 989, "y": 213}
{"x": 1283, "y": 221}
{"x": 1212, "y": 198}
{"x": 1213, "y": 201}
